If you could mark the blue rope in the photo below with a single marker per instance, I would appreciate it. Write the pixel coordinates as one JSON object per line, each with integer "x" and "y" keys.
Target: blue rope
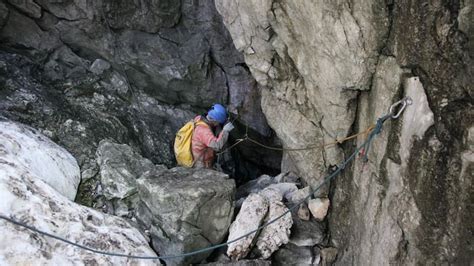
{"x": 342, "y": 166}
{"x": 377, "y": 129}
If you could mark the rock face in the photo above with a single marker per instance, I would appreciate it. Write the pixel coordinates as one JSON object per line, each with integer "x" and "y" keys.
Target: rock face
{"x": 311, "y": 65}
{"x": 185, "y": 210}
{"x": 132, "y": 73}
{"x": 26, "y": 197}
{"x": 322, "y": 70}
{"x": 30, "y": 151}
{"x": 330, "y": 69}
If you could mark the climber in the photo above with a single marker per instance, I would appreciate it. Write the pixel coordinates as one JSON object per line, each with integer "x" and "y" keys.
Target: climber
{"x": 204, "y": 141}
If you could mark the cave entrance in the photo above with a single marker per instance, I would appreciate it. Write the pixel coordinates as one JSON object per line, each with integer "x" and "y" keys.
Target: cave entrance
{"x": 246, "y": 160}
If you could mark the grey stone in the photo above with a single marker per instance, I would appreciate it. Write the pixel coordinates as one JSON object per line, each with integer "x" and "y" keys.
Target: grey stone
{"x": 119, "y": 168}
{"x": 264, "y": 181}
{"x": 466, "y": 22}
{"x": 241, "y": 263}
{"x": 303, "y": 212}
{"x": 190, "y": 209}
{"x": 271, "y": 194}
{"x": 254, "y": 186}
{"x": 149, "y": 17}
{"x": 298, "y": 195}
{"x": 63, "y": 63}
{"x": 120, "y": 84}
{"x": 3, "y": 14}
{"x": 28, "y": 6}
{"x": 322, "y": 71}
{"x": 293, "y": 255}
{"x": 287, "y": 177}
{"x": 99, "y": 66}
{"x": 285, "y": 189}
{"x": 306, "y": 233}
{"x": 256, "y": 209}
{"x": 32, "y": 36}
{"x": 328, "y": 256}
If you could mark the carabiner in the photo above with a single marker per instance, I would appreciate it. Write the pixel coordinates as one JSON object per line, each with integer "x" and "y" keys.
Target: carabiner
{"x": 404, "y": 102}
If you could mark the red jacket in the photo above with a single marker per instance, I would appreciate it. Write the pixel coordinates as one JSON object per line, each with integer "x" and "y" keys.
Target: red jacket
{"x": 205, "y": 143}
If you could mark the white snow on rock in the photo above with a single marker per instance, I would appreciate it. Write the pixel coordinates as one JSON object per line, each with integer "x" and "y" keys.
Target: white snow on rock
{"x": 39, "y": 156}
{"x": 26, "y": 196}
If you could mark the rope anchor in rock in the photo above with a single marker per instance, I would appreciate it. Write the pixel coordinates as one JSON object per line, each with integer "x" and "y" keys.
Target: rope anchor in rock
{"x": 403, "y": 102}
{"x": 375, "y": 130}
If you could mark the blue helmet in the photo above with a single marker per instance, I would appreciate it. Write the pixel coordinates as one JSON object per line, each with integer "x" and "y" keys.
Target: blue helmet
{"x": 218, "y": 113}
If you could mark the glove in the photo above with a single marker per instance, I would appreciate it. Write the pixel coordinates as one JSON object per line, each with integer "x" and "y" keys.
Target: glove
{"x": 228, "y": 127}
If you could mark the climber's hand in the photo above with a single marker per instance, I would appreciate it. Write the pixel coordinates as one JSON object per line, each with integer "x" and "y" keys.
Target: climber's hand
{"x": 228, "y": 127}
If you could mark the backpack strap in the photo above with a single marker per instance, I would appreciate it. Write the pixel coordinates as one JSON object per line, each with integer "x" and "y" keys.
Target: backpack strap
{"x": 196, "y": 123}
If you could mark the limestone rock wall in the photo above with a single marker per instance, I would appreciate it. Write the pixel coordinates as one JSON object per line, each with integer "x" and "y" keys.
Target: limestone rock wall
{"x": 133, "y": 72}
{"x": 329, "y": 69}
{"x": 312, "y": 60}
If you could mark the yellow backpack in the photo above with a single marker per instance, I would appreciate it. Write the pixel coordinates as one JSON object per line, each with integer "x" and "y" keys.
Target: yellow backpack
{"x": 182, "y": 144}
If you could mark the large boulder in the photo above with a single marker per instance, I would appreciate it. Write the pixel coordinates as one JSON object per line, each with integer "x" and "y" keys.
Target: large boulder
{"x": 181, "y": 209}
{"x": 251, "y": 215}
{"x": 185, "y": 209}
{"x": 119, "y": 168}
{"x": 27, "y": 198}
{"x": 31, "y": 151}
{"x": 260, "y": 209}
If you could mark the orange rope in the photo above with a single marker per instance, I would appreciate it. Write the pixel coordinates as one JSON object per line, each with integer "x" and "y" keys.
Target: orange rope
{"x": 310, "y": 147}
